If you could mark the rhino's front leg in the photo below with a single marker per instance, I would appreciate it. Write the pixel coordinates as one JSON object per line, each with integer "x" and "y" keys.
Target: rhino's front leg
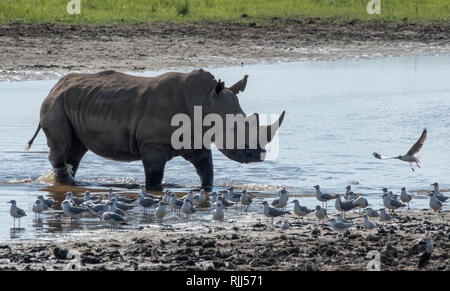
{"x": 154, "y": 158}
{"x": 202, "y": 161}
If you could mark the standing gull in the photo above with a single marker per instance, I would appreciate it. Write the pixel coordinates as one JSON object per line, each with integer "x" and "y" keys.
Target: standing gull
{"x": 282, "y": 200}
{"x": 218, "y": 213}
{"x": 339, "y": 226}
{"x": 372, "y": 213}
{"x": 200, "y": 197}
{"x": 187, "y": 208}
{"x": 300, "y": 210}
{"x": 272, "y": 212}
{"x": 409, "y": 156}
{"x": 391, "y": 204}
{"x": 246, "y": 200}
{"x": 361, "y": 203}
{"x": 339, "y": 218}
{"x": 405, "y": 197}
{"x": 384, "y": 216}
{"x": 160, "y": 212}
{"x": 343, "y": 206}
{"x": 16, "y": 212}
{"x": 37, "y": 208}
{"x": 349, "y": 195}
{"x": 47, "y": 203}
{"x": 112, "y": 208}
{"x": 144, "y": 192}
{"x": 88, "y": 197}
{"x": 74, "y": 200}
{"x": 324, "y": 198}
{"x": 439, "y": 195}
{"x": 367, "y": 223}
{"x": 72, "y": 211}
{"x": 175, "y": 203}
{"x": 435, "y": 203}
{"x": 146, "y": 202}
{"x": 113, "y": 219}
{"x": 120, "y": 199}
{"x": 232, "y": 196}
{"x": 120, "y": 205}
{"x": 321, "y": 213}
{"x": 224, "y": 201}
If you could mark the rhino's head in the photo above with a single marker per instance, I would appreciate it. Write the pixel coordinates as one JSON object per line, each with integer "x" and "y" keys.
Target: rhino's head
{"x": 245, "y": 142}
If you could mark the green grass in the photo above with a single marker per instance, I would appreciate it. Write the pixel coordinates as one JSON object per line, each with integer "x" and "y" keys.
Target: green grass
{"x": 107, "y": 12}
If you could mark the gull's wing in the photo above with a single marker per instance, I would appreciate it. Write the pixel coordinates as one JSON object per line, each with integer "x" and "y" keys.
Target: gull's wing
{"x": 418, "y": 145}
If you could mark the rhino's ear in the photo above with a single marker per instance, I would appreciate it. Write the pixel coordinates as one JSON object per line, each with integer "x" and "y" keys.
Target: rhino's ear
{"x": 239, "y": 86}
{"x": 219, "y": 87}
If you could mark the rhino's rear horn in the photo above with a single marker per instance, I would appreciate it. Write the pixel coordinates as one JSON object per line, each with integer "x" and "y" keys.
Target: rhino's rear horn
{"x": 240, "y": 85}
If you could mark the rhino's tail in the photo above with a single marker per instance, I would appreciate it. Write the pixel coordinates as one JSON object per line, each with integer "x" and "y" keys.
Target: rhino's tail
{"x": 30, "y": 142}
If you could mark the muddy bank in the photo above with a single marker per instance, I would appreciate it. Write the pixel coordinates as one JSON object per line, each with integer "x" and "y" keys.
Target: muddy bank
{"x": 32, "y": 51}
{"x": 254, "y": 245}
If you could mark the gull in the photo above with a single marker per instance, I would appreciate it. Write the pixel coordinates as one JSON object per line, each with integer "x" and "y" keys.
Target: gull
{"x": 224, "y": 201}
{"x": 405, "y": 197}
{"x": 97, "y": 209}
{"x": 384, "y": 216}
{"x": 160, "y": 212}
{"x": 343, "y": 220}
{"x": 113, "y": 219}
{"x": 120, "y": 205}
{"x": 188, "y": 209}
{"x": 246, "y": 200}
{"x": 189, "y": 195}
{"x": 47, "y": 203}
{"x": 146, "y": 202}
{"x": 372, "y": 213}
{"x": 88, "y": 197}
{"x": 391, "y": 204}
{"x": 360, "y": 202}
{"x": 16, "y": 212}
{"x": 349, "y": 195}
{"x": 112, "y": 208}
{"x": 75, "y": 200}
{"x": 285, "y": 225}
{"x": 282, "y": 200}
{"x": 272, "y": 212}
{"x": 200, "y": 198}
{"x": 234, "y": 197}
{"x": 301, "y": 210}
{"x": 367, "y": 223}
{"x": 435, "y": 203}
{"x": 439, "y": 195}
{"x": 343, "y": 206}
{"x": 321, "y": 213}
{"x": 144, "y": 192}
{"x": 121, "y": 199}
{"x": 37, "y": 208}
{"x": 409, "y": 156}
{"x": 175, "y": 203}
{"x": 339, "y": 226}
{"x": 218, "y": 213}
{"x": 324, "y": 198}
{"x": 72, "y": 211}
{"x": 166, "y": 197}
{"x": 213, "y": 196}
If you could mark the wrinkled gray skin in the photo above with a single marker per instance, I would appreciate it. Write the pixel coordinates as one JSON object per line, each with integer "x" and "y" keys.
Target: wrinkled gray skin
{"x": 127, "y": 118}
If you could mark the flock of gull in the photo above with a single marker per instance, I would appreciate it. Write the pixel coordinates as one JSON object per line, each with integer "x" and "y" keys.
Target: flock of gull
{"x": 113, "y": 209}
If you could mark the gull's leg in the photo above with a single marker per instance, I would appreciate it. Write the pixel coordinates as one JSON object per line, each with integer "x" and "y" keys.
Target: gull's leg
{"x": 418, "y": 165}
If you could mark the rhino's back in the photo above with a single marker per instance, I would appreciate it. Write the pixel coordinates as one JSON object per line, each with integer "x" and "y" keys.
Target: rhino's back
{"x": 106, "y": 108}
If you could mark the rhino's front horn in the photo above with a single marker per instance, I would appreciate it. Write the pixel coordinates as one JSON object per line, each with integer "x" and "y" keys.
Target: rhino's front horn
{"x": 239, "y": 86}
{"x": 271, "y": 130}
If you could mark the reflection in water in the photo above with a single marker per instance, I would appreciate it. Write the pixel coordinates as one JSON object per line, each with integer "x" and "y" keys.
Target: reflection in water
{"x": 16, "y": 232}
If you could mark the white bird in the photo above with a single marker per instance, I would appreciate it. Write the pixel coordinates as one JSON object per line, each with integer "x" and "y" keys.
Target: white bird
{"x": 87, "y": 197}
{"x": 75, "y": 200}
{"x": 384, "y": 216}
{"x": 321, "y": 213}
{"x": 146, "y": 202}
{"x": 272, "y": 212}
{"x": 372, "y": 213}
{"x": 144, "y": 192}
{"x": 224, "y": 201}
{"x": 324, "y": 198}
{"x": 300, "y": 210}
{"x": 187, "y": 208}
{"x": 361, "y": 203}
{"x": 246, "y": 200}
{"x": 349, "y": 195}
{"x": 113, "y": 219}
{"x": 97, "y": 209}
{"x": 189, "y": 195}
{"x": 16, "y": 212}
{"x": 343, "y": 206}
{"x": 47, "y": 203}
{"x": 409, "y": 156}
{"x": 37, "y": 208}
{"x": 391, "y": 204}
{"x": 282, "y": 200}
{"x": 166, "y": 197}
{"x": 367, "y": 223}
{"x": 175, "y": 203}
{"x": 232, "y": 196}
{"x": 339, "y": 226}
{"x": 72, "y": 211}
{"x": 405, "y": 197}
{"x": 119, "y": 198}
{"x": 112, "y": 208}
{"x": 160, "y": 212}
{"x": 339, "y": 218}
{"x": 435, "y": 203}
{"x": 218, "y": 213}
{"x": 200, "y": 197}
{"x": 439, "y": 195}
{"x": 120, "y": 205}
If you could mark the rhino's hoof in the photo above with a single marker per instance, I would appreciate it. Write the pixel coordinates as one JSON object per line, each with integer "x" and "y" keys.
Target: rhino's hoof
{"x": 63, "y": 176}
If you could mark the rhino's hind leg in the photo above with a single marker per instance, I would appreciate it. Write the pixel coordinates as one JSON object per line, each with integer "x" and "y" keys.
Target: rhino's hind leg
{"x": 154, "y": 158}
{"x": 202, "y": 161}
{"x": 76, "y": 152}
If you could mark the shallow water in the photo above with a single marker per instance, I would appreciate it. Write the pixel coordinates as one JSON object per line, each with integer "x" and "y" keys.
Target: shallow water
{"x": 337, "y": 114}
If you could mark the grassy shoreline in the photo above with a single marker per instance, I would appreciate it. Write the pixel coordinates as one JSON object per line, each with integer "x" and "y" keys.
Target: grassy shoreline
{"x": 261, "y": 12}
